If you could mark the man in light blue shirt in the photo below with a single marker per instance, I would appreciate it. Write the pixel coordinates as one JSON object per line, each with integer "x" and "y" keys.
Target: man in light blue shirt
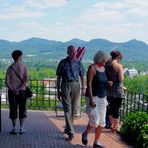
{"x": 69, "y": 71}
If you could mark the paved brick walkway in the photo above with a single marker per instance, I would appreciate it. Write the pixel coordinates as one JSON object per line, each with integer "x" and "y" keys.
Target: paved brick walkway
{"x": 45, "y": 130}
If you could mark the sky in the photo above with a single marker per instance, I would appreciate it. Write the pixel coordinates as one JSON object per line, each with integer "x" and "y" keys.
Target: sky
{"x": 63, "y": 20}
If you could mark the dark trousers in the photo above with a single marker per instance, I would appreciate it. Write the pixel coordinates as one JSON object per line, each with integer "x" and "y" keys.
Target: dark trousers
{"x": 107, "y": 120}
{"x": 114, "y": 106}
{"x": 15, "y": 102}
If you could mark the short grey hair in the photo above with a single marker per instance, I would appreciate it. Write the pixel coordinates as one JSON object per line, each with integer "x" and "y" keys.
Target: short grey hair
{"x": 101, "y": 56}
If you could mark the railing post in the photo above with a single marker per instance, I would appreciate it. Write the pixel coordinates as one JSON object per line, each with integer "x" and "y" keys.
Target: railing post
{"x": 0, "y": 114}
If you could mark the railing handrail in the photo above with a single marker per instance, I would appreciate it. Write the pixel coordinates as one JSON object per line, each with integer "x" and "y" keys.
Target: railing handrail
{"x": 45, "y": 95}
{"x": 137, "y": 92}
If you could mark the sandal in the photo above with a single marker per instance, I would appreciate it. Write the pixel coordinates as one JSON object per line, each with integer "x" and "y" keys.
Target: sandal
{"x": 113, "y": 130}
{"x": 84, "y": 138}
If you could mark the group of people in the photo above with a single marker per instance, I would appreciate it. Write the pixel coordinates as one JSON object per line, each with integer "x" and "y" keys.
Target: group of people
{"x": 104, "y": 90}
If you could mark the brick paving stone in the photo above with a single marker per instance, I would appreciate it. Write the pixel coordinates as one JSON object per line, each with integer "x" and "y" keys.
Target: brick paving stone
{"x": 45, "y": 130}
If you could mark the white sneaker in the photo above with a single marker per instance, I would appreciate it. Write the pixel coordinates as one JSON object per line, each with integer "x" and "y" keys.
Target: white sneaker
{"x": 22, "y": 131}
{"x": 97, "y": 144}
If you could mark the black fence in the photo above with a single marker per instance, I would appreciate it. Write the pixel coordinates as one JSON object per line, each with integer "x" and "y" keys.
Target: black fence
{"x": 133, "y": 102}
{"x": 45, "y": 98}
{"x": 44, "y": 94}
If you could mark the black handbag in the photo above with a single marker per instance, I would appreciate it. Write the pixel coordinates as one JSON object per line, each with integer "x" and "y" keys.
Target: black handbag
{"x": 29, "y": 93}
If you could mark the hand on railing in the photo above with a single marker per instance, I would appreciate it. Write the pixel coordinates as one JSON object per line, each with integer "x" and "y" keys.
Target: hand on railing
{"x": 124, "y": 88}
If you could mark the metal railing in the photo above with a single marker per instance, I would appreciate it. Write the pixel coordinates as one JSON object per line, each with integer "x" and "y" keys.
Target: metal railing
{"x": 45, "y": 98}
{"x": 44, "y": 94}
{"x": 133, "y": 102}
{"x": 0, "y": 113}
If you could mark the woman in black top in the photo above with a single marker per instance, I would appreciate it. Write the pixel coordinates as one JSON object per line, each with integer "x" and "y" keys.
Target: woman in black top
{"x": 96, "y": 96}
{"x": 114, "y": 72}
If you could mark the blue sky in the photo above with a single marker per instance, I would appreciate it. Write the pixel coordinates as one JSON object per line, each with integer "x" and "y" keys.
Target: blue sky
{"x": 62, "y": 20}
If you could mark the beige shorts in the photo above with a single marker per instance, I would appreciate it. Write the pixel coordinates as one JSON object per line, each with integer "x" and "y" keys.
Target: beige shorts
{"x": 97, "y": 114}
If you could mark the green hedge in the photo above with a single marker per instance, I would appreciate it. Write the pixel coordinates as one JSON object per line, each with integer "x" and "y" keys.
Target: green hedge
{"x": 134, "y": 129}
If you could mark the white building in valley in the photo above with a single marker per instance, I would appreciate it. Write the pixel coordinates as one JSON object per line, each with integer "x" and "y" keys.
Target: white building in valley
{"x": 131, "y": 72}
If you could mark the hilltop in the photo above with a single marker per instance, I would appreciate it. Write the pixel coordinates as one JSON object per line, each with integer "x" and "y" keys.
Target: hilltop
{"x": 42, "y": 49}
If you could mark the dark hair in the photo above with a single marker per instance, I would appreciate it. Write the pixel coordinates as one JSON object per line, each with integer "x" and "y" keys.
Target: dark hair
{"x": 69, "y": 48}
{"x": 116, "y": 54}
{"x": 16, "y": 54}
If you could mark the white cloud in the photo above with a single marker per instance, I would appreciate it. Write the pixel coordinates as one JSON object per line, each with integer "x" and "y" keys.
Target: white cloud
{"x": 4, "y": 3}
{"x": 15, "y": 12}
{"x": 41, "y": 4}
{"x": 33, "y": 26}
{"x": 115, "y": 11}
{"x": 27, "y": 8}
{"x": 116, "y": 20}
{"x": 101, "y": 13}
{"x": 3, "y": 28}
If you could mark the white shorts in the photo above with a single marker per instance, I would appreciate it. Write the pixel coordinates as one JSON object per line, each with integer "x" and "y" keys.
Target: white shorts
{"x": 97, "y": 114}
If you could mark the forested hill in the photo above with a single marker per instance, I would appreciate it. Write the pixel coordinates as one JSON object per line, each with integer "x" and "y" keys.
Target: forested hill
{"x": 42, "y": 49}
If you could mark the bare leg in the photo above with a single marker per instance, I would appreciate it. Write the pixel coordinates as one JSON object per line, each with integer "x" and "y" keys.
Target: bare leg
{"x": 84, "y": 135}
{"x": 98, "y": 131}
{"x": 111, "y": 120}
{"x": 88, "y": 128}
{"x": 21, "y": 122}
{"x": 22, "y": 130}
{"x": 14, "y": 123}
{"x": 115, "y": 125}
{"x": 14, "y": 130}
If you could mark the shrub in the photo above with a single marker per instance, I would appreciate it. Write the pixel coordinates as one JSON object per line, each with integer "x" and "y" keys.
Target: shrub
{"x": 134, "y": 129}
{"x": 143, "y": 136}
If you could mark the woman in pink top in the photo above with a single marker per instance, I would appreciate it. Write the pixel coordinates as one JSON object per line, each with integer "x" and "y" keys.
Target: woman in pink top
{"x": 16, "y": 79}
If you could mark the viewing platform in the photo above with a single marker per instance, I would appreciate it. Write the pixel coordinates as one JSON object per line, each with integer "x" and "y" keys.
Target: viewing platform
{"x": 44, "y": 127}
{"x": 45, "y": 130}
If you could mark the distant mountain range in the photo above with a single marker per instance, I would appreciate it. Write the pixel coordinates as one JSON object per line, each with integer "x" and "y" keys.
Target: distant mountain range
{"x": 42, "y": 49}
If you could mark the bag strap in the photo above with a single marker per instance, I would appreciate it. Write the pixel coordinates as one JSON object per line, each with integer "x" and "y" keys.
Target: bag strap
{"x": 16, "y": 74}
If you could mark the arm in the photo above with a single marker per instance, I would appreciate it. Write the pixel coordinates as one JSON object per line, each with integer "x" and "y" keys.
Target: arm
{"x": 58, "y": 87}
{"x": 8, "y": 81}
{"x": 82, "y": 85}
{"x": 120, "y": 73}
{"x": 90, "y": 75}
{"x": 81, "y": 73}
{"x": 59, "y": 77}
{"x": 26, "y": 75}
